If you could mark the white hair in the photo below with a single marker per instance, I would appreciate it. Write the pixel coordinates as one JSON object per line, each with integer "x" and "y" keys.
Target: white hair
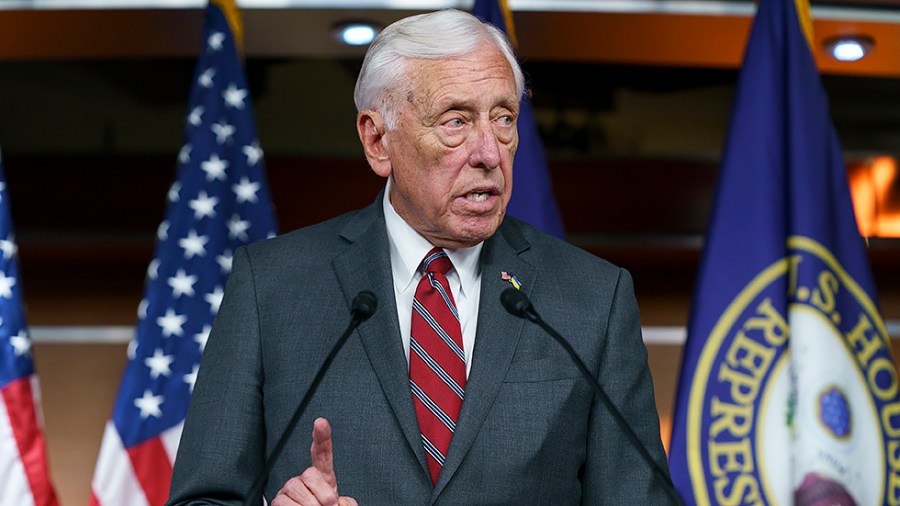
{"x": 440, "y": 34}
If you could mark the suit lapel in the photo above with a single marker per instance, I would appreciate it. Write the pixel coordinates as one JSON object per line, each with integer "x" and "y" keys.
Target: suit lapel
{"x": 366, "y": 265}
{"x": 495, "y": 340}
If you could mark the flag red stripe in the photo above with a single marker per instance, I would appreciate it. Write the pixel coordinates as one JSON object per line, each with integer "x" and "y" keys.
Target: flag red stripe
{"x": 19, "y": 402}
{"x": 153, "y": 469}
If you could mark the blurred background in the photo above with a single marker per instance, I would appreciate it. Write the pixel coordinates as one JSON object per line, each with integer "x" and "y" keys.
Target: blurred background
{"x": 632, "y": 97}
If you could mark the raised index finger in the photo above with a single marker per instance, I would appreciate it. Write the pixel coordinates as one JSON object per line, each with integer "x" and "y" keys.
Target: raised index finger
{"x": 321, "y": 451}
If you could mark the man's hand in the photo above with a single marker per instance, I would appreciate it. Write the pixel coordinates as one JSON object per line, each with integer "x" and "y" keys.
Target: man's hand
{"x": 317, "y": 485}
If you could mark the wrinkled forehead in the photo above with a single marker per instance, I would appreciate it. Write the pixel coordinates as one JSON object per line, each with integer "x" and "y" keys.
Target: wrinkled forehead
{"x": 426, "y": 79}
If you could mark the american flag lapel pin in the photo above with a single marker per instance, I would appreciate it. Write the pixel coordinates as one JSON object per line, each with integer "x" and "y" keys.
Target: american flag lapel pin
{"x": 513, "y": 280}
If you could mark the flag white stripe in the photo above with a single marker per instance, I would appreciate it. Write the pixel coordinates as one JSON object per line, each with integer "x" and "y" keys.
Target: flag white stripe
{"x": 170, "y": 439}
{"x": 15, "y": 490}
{"x": 114, "y": 482}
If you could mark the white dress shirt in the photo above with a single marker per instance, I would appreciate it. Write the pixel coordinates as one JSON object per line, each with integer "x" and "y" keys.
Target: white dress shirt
{"x": 408, "y": 249}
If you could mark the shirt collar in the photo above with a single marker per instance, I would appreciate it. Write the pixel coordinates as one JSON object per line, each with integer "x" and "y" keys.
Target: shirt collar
{"x": 408, "y": 248}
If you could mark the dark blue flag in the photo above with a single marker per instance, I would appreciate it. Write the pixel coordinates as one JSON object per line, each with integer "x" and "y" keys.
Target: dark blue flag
{"x": 788, "y": 393}
{"x": 532, "y": 200}
{"x": 218, "y": 202}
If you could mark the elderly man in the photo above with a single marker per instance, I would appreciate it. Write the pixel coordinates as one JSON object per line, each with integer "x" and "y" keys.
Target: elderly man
{"x": 444, "y": 398}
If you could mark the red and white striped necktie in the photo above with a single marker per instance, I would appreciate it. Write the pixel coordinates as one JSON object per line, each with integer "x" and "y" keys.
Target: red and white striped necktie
{"x": 437, "y": 363}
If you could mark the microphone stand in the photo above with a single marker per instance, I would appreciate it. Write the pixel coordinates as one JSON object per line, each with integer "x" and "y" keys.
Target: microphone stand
{"x": 518, "y": 304}
{"x": 364, "y": 305}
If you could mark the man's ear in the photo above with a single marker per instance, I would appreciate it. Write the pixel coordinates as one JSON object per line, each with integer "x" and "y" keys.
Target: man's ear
{"x": 371, "y": 129}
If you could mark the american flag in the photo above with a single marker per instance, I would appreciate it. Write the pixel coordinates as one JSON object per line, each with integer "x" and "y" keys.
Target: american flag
{"x": 24, "y": 473}
{"x": 218, "y": 202}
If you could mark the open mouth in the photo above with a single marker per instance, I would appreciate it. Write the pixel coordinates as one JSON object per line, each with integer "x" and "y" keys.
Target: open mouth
{"x": 478, "y": 196}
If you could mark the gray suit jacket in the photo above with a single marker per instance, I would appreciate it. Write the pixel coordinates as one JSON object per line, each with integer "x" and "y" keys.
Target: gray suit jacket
{"x": 530, "y": 430}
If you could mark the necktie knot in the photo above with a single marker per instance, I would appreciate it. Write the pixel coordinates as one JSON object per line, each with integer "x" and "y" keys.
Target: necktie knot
{"x": 437, "y": 262}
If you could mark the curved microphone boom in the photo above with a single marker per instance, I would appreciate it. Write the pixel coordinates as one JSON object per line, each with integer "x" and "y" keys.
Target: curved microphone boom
{"x": 518, "y": 304}
{"x": 363, "y": 306}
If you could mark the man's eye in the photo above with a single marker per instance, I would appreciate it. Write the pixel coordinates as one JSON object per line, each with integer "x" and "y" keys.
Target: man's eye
{"x": 454, "y": 123}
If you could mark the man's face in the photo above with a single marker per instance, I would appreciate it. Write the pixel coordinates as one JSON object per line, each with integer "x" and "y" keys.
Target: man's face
{"x": 452, "y": 151}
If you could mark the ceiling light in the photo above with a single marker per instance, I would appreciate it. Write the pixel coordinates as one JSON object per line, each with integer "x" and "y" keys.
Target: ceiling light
{"x": 356, "y": 33}
{"x": 849, "y": 48}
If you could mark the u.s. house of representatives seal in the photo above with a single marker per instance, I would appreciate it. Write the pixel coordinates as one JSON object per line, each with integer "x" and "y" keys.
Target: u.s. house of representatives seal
{"x": 794, "y": 400}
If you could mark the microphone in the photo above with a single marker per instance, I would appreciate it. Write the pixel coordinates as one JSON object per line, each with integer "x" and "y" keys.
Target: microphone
{"x": 363, "y": 306}
{"x": 518, "y": 304}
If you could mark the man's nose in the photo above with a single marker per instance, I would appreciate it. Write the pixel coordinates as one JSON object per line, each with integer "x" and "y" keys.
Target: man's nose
{"x": 485, "y": 151}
